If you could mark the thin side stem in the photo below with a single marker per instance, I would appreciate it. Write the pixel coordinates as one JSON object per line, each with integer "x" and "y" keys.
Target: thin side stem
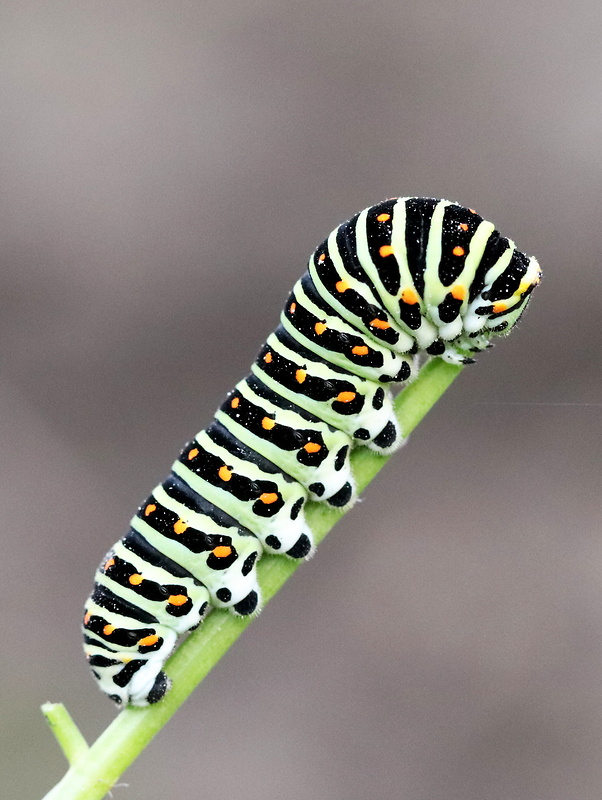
{"x": 92, "y": 775}
{"x": 68, "y": 735}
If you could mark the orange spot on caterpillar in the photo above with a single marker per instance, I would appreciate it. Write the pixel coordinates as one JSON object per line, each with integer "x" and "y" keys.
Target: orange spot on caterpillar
{"x": 458, "y": 292}
{"x": 193, "y": 453}
{"x": 341, "y": 286}
{"x": 135, "y": 579}
{"x": 346, "y": 397}
{"x": 268, "y": 358}
{"x": 380, "y": 323}
{"x": 180, "y": 526}
{"x": 463, "y": 226}
{"x": 292, "y": 308}
{"x": 267, "y": 423}
{"x": 472, "y": 211}
{"x": 300, "y": 375}
{"x": 224, "y": 473}
{"x": 386, "y": 250}
{"x": 320, "y": 327}
{"x": 222, "y": 551}
{"x": 108, "y": 629}
{"x": 108, "y": 564}
{"x": 409, "y": 297}
{"x": 458, "y": 251}
{"x": 235, "y": 402}
{"x": 268, "y": 498}
{"x": 312, "y": 447}
{"x": 383, "y": 217}
{"x": 86, "y": 617}
{"x": 360, "y": 350}
{"x": 177, "y": 599}
{"x": 497, "y": 307}
{"x": 148, "y": 641}
{"x": 322, "y": 258}
{"x": 149, "y": 509}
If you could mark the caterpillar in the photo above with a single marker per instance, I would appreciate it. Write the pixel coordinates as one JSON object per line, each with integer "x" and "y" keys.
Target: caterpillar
{"x": 406, "y": 279}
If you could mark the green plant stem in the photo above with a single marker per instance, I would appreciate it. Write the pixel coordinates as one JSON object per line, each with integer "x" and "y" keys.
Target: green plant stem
{"x": 68, "y": 735}
{"x": 93, "y": 773}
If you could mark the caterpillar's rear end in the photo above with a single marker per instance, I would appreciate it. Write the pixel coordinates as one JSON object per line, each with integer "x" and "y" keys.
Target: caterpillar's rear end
{"x": 403, "y": 279}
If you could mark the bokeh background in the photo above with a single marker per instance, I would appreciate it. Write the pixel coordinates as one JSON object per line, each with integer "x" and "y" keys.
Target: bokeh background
{"x": 166, "y": 169}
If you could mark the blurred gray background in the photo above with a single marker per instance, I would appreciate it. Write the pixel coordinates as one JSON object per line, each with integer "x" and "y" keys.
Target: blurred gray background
{"x": 166, "y": 169}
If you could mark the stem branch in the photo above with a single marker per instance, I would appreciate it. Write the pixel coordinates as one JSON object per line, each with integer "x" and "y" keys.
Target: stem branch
{"x": 68, "y": 735}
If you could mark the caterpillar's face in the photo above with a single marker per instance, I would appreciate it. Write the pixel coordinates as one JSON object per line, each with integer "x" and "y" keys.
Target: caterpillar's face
{"x": 504, "y": 299}
{"x": 496, "y": 309}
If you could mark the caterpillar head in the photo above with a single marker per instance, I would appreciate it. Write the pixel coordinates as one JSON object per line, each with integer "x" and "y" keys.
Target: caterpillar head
{"x": 438, "y": 271}
{"x": 497, "y": 306}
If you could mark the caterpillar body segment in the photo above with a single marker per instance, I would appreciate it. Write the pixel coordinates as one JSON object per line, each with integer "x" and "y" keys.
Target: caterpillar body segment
{"x": 239, "y": 480}
{"x": 361, "y": 408}
{"x": 300, "y": 444}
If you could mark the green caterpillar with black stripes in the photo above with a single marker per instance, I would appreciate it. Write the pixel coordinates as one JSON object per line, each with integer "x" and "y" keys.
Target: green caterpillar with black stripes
{"x": 403, "y": 280}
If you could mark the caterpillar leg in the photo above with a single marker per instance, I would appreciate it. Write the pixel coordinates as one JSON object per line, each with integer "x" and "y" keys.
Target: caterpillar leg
{"x": 137, "y": 682}
{"x": 126, "y": 651}
{"x": 389, "y": 439}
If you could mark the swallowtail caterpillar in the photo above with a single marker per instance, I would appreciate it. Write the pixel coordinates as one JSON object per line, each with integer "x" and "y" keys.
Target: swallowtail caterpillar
{"x": 404, "y": 279}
